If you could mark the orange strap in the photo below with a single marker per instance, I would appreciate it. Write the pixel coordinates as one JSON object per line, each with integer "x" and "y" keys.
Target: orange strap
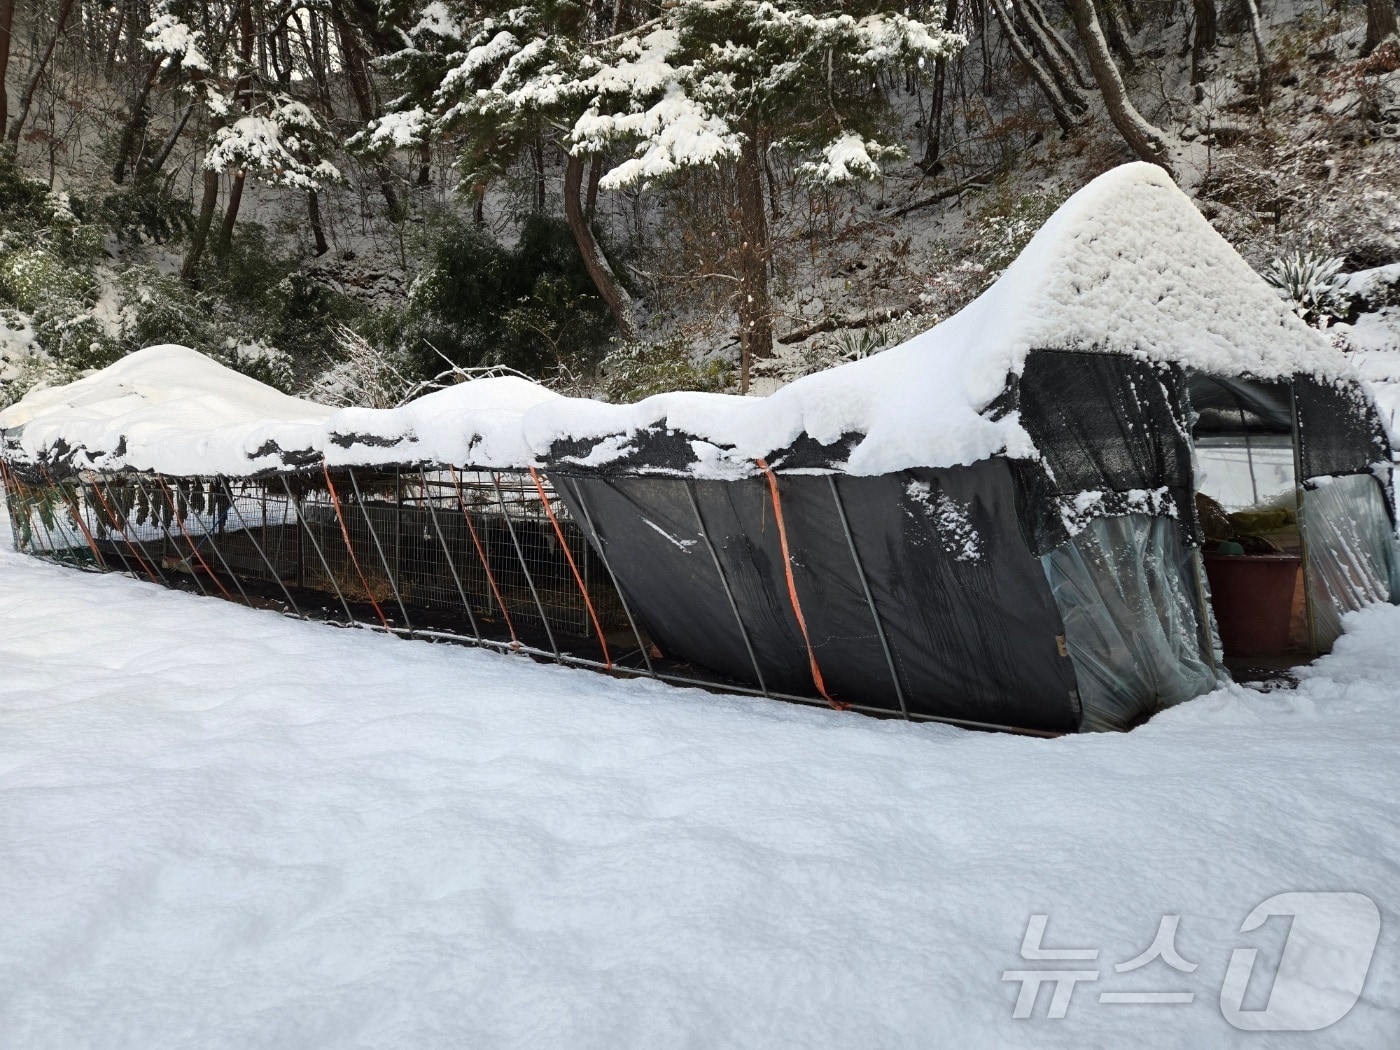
{"x": 578, "y": 576}
{"x": 481, "y": 553}
{"x": 194, "y": 547}
{"x": 9, "y": 480}
{"x": 792, "y": 589}
{"x": 122, "y": 533}
{"x": 349, "y": 547}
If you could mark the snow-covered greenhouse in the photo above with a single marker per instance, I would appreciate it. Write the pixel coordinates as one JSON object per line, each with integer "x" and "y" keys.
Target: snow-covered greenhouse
{"x": 1051, "y": 512}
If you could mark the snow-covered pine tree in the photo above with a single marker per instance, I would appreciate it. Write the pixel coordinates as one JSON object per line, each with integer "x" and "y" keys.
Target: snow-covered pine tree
{"x": 255, "y": 126}
{"x": 697, "y": 83}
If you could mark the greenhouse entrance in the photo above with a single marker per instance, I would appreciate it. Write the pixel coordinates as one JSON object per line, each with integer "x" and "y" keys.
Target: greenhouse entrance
{"x": 1247, "y": 503}
{"x": 1295, "y": 523}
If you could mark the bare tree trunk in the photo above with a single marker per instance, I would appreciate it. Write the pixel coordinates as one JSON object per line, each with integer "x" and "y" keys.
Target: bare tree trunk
{"x": 114, "y": 38}
{"x": 1036, "y": 13}
{"x": 775, "y": 210}
{"x": 1142, "y": 137}
{"x": 537, "y": 158}
{"x": 1261, "y": 57}
{"x": 244, "y": 92}
{"x": 425, "y": 165}
{"x": 26, "y": 98}
{"x": 933, "y": 139}
{"x": 199, "y": 236}
{"x": 1065, "y": 76}
{"x": 1117, "y": 34}
{"x": 318, "y": 231}
{"x": 357, "y": 75}
{"x": 1380, "y": 24}
{"x": 7, "y": 22}
{"x": 146, "y": 171}
{"x": 594, "y": 261}
{"x": 755, "y": 317}
{"x": 1204, "y": 28}
{"x": 235, "y": 199}
{"x": 595, "y": 174}
{"x": 979, "y": 13}
{"x": 135, "y": 122}
{"x": 1059, "y": 106}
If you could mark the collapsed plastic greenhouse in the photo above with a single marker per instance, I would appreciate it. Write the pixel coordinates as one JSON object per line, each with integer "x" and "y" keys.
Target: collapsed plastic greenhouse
{"x": 1032, "y": 516}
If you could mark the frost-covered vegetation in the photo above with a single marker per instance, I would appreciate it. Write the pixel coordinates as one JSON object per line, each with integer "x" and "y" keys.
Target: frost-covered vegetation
{"x": 348, "y": 200}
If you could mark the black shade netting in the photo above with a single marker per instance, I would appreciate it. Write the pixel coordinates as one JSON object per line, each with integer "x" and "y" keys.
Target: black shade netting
{"x": 1339, "y": 431}
{"x": 1113, "y": 437}
{"x": 1231, "y": 405}
{"x": 971, "y": 630}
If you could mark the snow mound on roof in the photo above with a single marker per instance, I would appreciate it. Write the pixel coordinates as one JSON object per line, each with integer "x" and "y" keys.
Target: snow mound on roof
{"x": 1126, "y": 265}
{"x": 477, "y": 423}
{"x": 165, "y": 408}
{"x": 173, "y": 410}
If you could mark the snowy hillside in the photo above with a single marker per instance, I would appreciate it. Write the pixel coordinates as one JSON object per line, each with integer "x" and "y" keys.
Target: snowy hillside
{"x": 223, "y": 828}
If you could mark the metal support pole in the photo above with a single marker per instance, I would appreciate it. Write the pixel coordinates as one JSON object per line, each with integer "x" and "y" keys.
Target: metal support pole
{"x": 869, "y": 598}
{"x": 520, "y": 553}
{"x": 214, "y": 546}
{"x": 724, "y": 582}
{"x": 25, "y": 493}
{"x": 8, "y": 489}
{"x": 104, "y": 524}
{"x": 155, "y": 516}
{"x": 11, "y": 504}
{"x": 277, "y": 576}
{"x": 398, "y": 524}
{"x": 75, "y": 511}
{"x": 144, "y": 558}
{"x": 294, "y": 507}
{"x": 1302, "y": 528}
{"x": 447, "y": 553}
{"x": 316, "y": 546}
{"x": 373, "y": 535}
{"x": 603, "y": 557}
{"x": 1204, "y": 611}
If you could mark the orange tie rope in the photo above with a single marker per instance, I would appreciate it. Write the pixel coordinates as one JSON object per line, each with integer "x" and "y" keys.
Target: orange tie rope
{"x": 20, "y": 491}
{"x": 10, "y": 482}
{"x": 349, "y": 547}
{"x": 122, "y": 533}
{"x": 194, "y": 547}
{"x": 76, "y": 512}
{"x": 792, "y": 589}
{"x": 481, "y": 553}
{"x": 578, "y": 576}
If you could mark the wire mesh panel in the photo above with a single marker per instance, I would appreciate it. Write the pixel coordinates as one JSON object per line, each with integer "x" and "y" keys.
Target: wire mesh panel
{"x": 48, "y": 520}
{"x": 254, "y": 528}
{"x": 349, "y": 541}
{"x": 491, "y": 538}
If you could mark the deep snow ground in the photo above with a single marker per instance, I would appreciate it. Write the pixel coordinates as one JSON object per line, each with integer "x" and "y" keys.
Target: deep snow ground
{"x": 223, "y": 828}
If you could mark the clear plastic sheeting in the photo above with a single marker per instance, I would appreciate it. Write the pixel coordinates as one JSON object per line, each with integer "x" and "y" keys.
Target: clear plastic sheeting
{"x": 1352, "y": 553}
{"x": 1245, "y": 470}
{"x": 1127, "y": 592}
